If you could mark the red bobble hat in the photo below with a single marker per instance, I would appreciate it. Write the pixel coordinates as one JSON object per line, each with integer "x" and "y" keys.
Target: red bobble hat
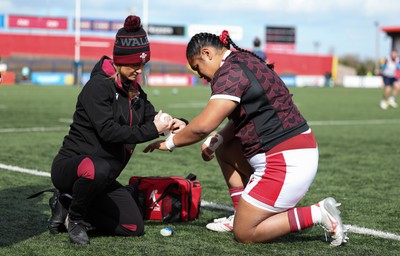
{"x": 131, "y": 45}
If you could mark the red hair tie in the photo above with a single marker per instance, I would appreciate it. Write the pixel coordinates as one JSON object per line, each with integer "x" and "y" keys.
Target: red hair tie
{"x": 223, "y": 37}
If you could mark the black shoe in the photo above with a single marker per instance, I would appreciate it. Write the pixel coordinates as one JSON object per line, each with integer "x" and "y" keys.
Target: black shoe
{"x": 77, "y": 231}
{"x": 58, "y": 212}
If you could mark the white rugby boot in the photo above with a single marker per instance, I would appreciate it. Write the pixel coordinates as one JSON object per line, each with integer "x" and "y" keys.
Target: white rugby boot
{"x": 331, "y": 221}
{"x": 392, "y": 102}
{"x": 224, "y": 224}
{"x": 384, "y": 104}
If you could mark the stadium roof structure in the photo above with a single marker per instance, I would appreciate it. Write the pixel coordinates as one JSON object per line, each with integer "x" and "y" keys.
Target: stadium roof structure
{"x": 394, "y": 33}
{"x": 391, "y": 30}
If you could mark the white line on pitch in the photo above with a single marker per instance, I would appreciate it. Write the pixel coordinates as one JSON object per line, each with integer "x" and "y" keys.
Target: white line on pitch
{"x": 188, "y": 105}
{"x": 316, "y": 123}
{"x": 372, "y": 232}
{"x": 65, "y": 120}
{"x": 23, "y": 170}
{"x": 33, "y": 129}
{"x": 352, "y": 229}
{"x": 311, "y": 123}
{"x": 354, "y": 122}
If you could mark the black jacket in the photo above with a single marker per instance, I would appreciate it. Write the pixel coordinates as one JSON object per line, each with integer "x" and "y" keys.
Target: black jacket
{"x": 107, "y": 123}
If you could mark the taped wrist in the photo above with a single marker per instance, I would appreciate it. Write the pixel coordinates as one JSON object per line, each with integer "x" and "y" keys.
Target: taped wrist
{"x": 214, "y": 141}
{"x": 169, "y": 142}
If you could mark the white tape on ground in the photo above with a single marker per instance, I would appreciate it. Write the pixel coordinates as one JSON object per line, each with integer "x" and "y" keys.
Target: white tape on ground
{"x": 351, "y": 229}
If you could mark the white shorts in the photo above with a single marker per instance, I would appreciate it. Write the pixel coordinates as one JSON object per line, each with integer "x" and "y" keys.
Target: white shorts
{"x": 281, "y": 179}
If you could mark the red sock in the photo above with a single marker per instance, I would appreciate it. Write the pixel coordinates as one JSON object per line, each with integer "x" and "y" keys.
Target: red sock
{"x": 300, "y": 218}
{"x": 236, "y": 194}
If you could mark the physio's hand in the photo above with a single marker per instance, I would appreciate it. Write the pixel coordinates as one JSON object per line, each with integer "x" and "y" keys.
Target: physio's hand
{"x": 163, "y": 122}
{"x": 210, "y": 145}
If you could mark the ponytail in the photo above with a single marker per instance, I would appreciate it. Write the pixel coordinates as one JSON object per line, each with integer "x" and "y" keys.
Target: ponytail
{"x": 226, "y": 39}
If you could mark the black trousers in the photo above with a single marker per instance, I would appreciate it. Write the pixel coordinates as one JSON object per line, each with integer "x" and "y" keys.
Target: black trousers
{"x": 97, "y": 196}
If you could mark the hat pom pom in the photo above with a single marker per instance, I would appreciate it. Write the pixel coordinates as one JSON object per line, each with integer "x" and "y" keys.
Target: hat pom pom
{"x": 132, "y": 23}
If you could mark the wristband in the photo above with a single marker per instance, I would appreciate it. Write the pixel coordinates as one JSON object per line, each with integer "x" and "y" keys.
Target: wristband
{"x": 214, "y": 141}
{"x": 169, "y": 142}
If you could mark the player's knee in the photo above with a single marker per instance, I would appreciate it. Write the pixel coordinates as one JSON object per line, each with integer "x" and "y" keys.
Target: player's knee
{"x": 242, "y": 236}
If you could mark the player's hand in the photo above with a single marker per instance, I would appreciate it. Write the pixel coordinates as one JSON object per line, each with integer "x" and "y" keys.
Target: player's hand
{"x": 177, "y": 125}
{"x": 210, "y": 145}
{"x": 160, "y": 145}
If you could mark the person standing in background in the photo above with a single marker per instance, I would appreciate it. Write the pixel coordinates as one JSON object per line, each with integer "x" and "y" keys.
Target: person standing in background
{"x": 3, "y": 68}
{"x": 390, "y": 83}
{"x": 257, "y": 49}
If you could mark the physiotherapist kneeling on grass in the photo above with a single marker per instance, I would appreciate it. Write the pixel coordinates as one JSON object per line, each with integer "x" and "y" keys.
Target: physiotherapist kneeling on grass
{"x": 112, "y": 115}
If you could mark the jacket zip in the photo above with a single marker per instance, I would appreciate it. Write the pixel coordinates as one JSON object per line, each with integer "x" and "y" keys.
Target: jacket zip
{"x": 130, "y": 118}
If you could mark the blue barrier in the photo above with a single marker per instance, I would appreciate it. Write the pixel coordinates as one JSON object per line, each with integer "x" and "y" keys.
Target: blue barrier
{"x": 290, "y": 81}
{"x": 51, "y": 78}
{"x": 56, "y": 78}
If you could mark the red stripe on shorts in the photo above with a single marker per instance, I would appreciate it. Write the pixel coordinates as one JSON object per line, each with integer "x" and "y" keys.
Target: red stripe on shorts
{"x": 272, "y": 180}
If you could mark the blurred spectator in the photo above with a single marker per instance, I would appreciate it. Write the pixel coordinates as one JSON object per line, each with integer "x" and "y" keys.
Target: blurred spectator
{"x": 25, "y": 71}
{"x": 390, "y": 82}
{"x": 328, "y": 79}
{"x": 3, "y": 68}
{"x": 257, "y": 49}
{"x": 146, "y": 74}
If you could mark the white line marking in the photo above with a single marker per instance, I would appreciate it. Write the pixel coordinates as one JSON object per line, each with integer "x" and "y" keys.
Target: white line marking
{"x": 65, "y": 120}
{"x": 217, "y": 206}
{"x": 372, "y": 232}
{"x": 354, "y": 122}
{"x": 188, "y": 105}
{"x": 33, "y": 129}
{"x": 23, "y": 170}
{"x": 311, "y": 123}
{"x": 351, "y": 229}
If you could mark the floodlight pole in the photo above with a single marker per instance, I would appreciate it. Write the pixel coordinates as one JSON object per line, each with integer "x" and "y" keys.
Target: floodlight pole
{"x": 145, "y": 15}
{"x": 145, "y": 19}
{"x": 77, "y": 59}
{"x": 377, "y": 48}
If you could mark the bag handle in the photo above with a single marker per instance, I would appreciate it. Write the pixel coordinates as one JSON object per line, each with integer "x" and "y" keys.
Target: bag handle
{"x": 191, "y": 176}
{"x": 41, "y": 192}
{"x": 164, "y": 194}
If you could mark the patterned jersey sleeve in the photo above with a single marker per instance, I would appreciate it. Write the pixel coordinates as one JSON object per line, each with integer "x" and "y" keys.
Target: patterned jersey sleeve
{"x": 230, "y": 83}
